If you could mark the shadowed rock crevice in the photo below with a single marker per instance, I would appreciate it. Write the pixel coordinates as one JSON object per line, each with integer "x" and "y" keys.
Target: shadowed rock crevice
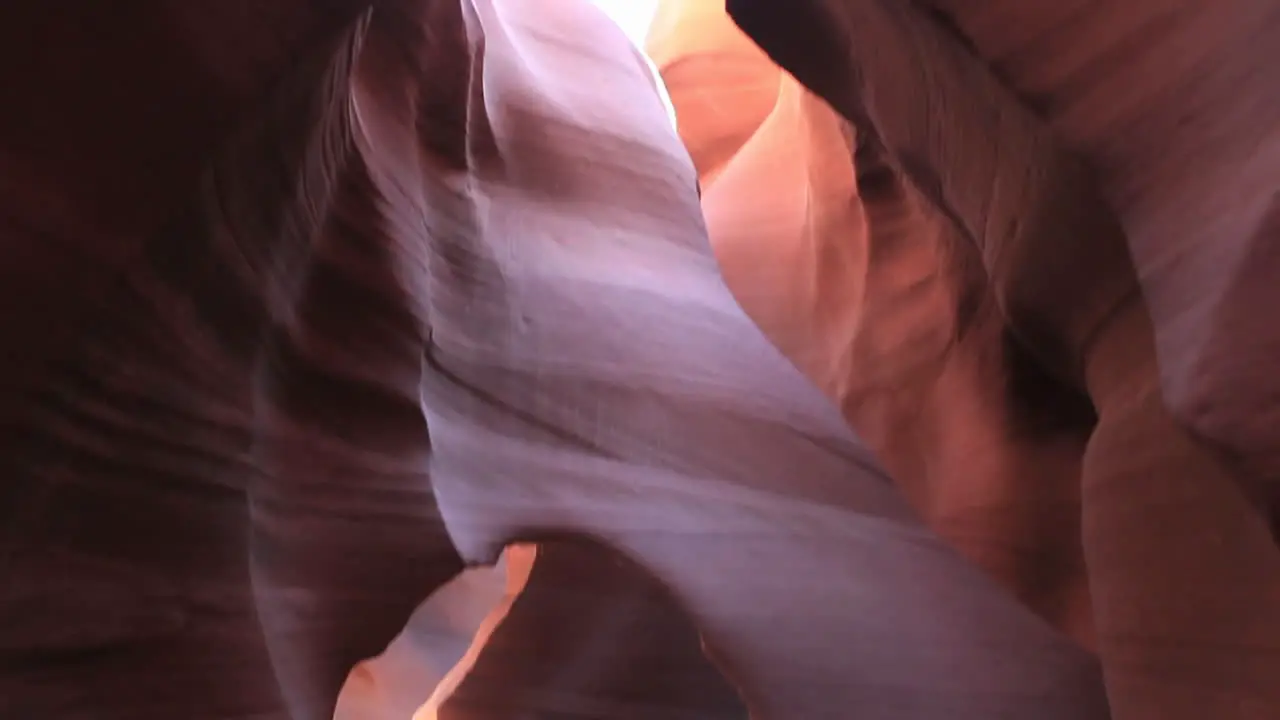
{"x": 1060, "y": 207}
{"x": 235, "y": 232}
{"x": 870, "y": 291}
{"x": 592, "y": 635}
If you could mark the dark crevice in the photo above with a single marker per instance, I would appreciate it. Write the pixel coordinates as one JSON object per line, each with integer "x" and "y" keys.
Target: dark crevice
{"x": 1041, "y": 405}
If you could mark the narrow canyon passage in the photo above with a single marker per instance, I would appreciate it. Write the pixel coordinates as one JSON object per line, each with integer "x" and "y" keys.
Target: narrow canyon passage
{"x": 906, "y": 359}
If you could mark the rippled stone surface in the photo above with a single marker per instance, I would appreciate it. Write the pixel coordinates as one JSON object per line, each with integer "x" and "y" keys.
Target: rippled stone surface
{"x": 939, "y": 402}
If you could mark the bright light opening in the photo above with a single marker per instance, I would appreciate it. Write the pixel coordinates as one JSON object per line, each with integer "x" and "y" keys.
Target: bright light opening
{"x": 633, "y": 16}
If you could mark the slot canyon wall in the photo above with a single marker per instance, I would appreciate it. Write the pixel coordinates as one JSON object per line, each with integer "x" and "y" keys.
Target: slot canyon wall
{"x": 921, "y": 371}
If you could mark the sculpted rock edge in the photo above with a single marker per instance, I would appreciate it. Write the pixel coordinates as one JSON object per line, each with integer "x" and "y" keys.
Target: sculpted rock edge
{"x": 300, "y": 330}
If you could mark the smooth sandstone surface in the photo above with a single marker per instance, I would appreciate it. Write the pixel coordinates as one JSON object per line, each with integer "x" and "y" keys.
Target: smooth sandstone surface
{"x": 1036, "y": 158}
{"x": 880, "y": 423}
{"x": 653, "y": 502}
{"x": 884, "y": 307}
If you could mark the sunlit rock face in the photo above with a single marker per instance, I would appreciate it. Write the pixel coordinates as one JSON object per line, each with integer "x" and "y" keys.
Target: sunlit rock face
{"x": 634, "y": 17}
{"x": 1105, "y": 165}
{"x": 875, "y": 297}
{"x": 311, "y": 305}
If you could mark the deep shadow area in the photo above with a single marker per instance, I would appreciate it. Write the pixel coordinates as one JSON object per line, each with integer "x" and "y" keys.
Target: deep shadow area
{"x": 593, "y": 636}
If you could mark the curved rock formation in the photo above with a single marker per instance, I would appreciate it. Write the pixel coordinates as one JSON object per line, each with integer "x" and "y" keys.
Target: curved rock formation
{"x": 310, "y": 305}
{"x": 684, "y": 371}
{"x": 192, "y": 456}
{"x": 1183, "y": 572}
{"x": 869, "y": 290}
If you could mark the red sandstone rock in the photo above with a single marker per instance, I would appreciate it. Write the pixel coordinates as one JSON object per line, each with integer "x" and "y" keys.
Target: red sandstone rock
{"x": 311, "y": 303}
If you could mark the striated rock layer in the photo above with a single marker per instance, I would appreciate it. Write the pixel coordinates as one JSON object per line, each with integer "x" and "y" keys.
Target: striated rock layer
{"x": 1094, "y": 215}
{"x": 876, "y": 297}
{"x": 313, "y": 304}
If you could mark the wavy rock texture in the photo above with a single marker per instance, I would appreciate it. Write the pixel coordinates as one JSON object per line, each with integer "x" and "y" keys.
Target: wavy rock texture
{"x": 214, "y": 430}
{"x": 874, "y": 295}
{"x": 1104, "y": 196}
{"x": 300, "y": 330}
